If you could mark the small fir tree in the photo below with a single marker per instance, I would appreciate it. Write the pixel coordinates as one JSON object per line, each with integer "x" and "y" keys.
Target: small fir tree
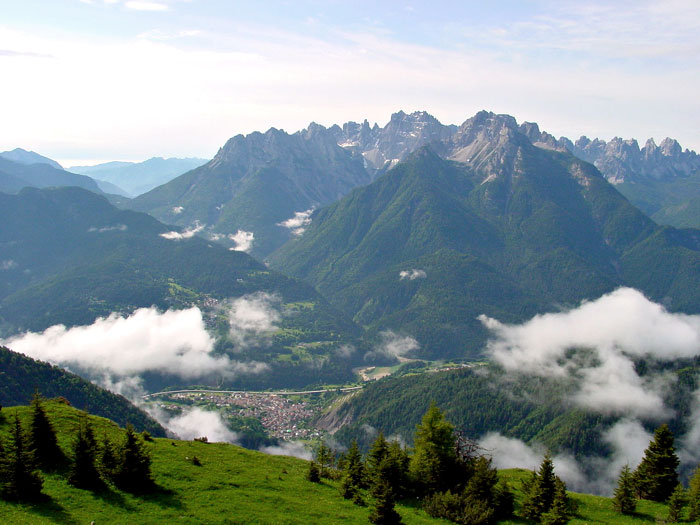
{"x": 539, "y": 491}
{"x": 676, "y": 502}
{"x": 19, "y": 478}
{"x": 354, "y": 472}
{"x": 559, "y": 512}
{"x": 313, "y": 474}
{"x": 108, "y": 463}
{"x": 434, "y": 461}
{"x": 383, "y": 511}
{"x": 134, "y": 471}
{"x": 324, "y": 458}
{"x": 377, "y": 452}
{"x": 83, "y": 471}
{"x": 624, "y": 499}
{"x": 42, "y": 437}
{"x": 656, "y": 476}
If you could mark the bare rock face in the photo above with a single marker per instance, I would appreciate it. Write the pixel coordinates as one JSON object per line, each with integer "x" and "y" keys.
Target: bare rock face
{"x": 383, "y": 148}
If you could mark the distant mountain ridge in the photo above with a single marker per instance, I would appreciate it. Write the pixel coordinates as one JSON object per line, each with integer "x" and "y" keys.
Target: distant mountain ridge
{"x": 490, "y": 223}
{"x": 22, "y": 156}
{"x": 139, "y": 177}
{"x": 257, "y": 182}
{"x": 15, "y": 175}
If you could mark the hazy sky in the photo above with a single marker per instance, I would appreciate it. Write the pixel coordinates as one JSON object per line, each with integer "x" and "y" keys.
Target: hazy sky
{"x": 93, "y": 80}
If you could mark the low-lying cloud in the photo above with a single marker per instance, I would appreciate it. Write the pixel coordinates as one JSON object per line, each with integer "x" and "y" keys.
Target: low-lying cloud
{"x": 412, "y": 274}
{"x": 177, "y": 209}
{"x": 196, "y": 422}
{"x": 186, "y": 234}
{"x": 598, "y": 475}
{"x": 298, "y": 223}
{"x": 115, "y": 350}
{"x": 595, "y": 346}
{"x": 116, "y": 227}
{"x": 392, "y": 345}
{"x": 8, "y": 264}
{"x": 243, "y": 241}
{"x": 253, "y": 317}
{"x": 294, "y": 449}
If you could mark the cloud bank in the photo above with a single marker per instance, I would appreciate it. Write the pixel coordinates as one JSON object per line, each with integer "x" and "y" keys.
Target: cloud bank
{"x": 297, "y": 224}
{"x": 253, "y": 317}
{"x": 115, "y": 350}
{"x": 392, "y": 345}
{"x": 596, "y": 345}
{"x": 186, "y": 234}
{"x": 297, "y": 450}
{"x": 196, "y": 422}
{"x": 412, "y": 275}
{"x": 243, "y": 241}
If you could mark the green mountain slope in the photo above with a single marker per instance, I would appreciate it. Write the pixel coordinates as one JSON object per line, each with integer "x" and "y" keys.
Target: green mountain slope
{"x": 508, "y": 230}
{"x": 21, "y": 376}
{"x": 230, "y": 485}
{"x": 256, "y": 182}
{"x": 70, "y": 257}
{"x": 43, "y": 176}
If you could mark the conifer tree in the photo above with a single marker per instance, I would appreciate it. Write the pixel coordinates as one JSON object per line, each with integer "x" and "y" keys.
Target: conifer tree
{"x": 559, "y": 512}
{"x": 656, "y": 476}
{"x": 83, "y": 471}
{"x": 624, "y": 499}
{"x": 539, "y": 492}
{"x": 134, "y": 471}
{"x": 313, "y": 474}
{"x": 42, "y": 437}
{"x": 19, "y": 478}
{"x": 383, "y": 511}
{"x": 434, "y": 461}
{"x": 377, "y": 452}
{"x": 354, "y": 472}
{"x": 324, "y": 458}
{"x": 108, "y": 458}
{"x": 694, "y": 496}
{"x": 676, "y": 502}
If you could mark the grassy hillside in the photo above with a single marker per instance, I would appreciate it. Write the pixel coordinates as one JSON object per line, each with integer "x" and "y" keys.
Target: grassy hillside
{"x": 232, "y": 485}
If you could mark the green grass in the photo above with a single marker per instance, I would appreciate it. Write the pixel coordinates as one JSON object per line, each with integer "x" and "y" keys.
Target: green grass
{"x": 233, "y": 486}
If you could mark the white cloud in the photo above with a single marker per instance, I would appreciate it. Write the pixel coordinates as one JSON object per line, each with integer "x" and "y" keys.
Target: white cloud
{"x": 174, "y": 342}
{"x": 195, "y": 422}
{"x": 412, "y": 275}
{"x": 393, "y": 345}
{"x": 145, "y": 6}
{"x": 117, "y": 227}
{"x": 8, "y": 264}
{"x": 243, "y": 240}
{"x": 253, "y": 317}
{"x": 186, "y": 234}
{"x": 595, "y": 345}
{"x": 297, "y": 450}
{"x": 297, "y": 224}
{"x": 177, "y": 209}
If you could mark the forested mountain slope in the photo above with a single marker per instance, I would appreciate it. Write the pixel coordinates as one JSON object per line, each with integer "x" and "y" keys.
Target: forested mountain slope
{"x": 508, "y": 230}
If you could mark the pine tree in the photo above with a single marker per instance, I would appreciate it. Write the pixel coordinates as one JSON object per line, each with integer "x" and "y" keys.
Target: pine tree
{"x": 694, "y": 496}
{"x": 377, "y": 452}
{"x": 42, "y": 437}
{"x": 83, "y": 471}
{"x": 313, "y": 474}
{"x": 354, "y": 472}
{"x": 434, "y": 462}
{"x": 559, "y": 512}
{"x": 134, "y": 471}
{"x": 324, "y": 458}
{"x": 383, "y": 511}
{"x": 676, "y": 502}
{"x": 108, "y": 458}
{"x": 20, "y": 481}
{"x": 656, "y": 476}
{"x": 539, "y": 492}
{"x": 624, "y": 499}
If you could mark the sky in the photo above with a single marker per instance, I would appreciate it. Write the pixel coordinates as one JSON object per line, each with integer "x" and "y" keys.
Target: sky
{"x": 87, "y": 81}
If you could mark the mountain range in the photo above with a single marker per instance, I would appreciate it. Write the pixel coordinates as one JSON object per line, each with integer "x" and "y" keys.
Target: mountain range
{"x": 485, "y": 223}
{"x": 135, "y": 178}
